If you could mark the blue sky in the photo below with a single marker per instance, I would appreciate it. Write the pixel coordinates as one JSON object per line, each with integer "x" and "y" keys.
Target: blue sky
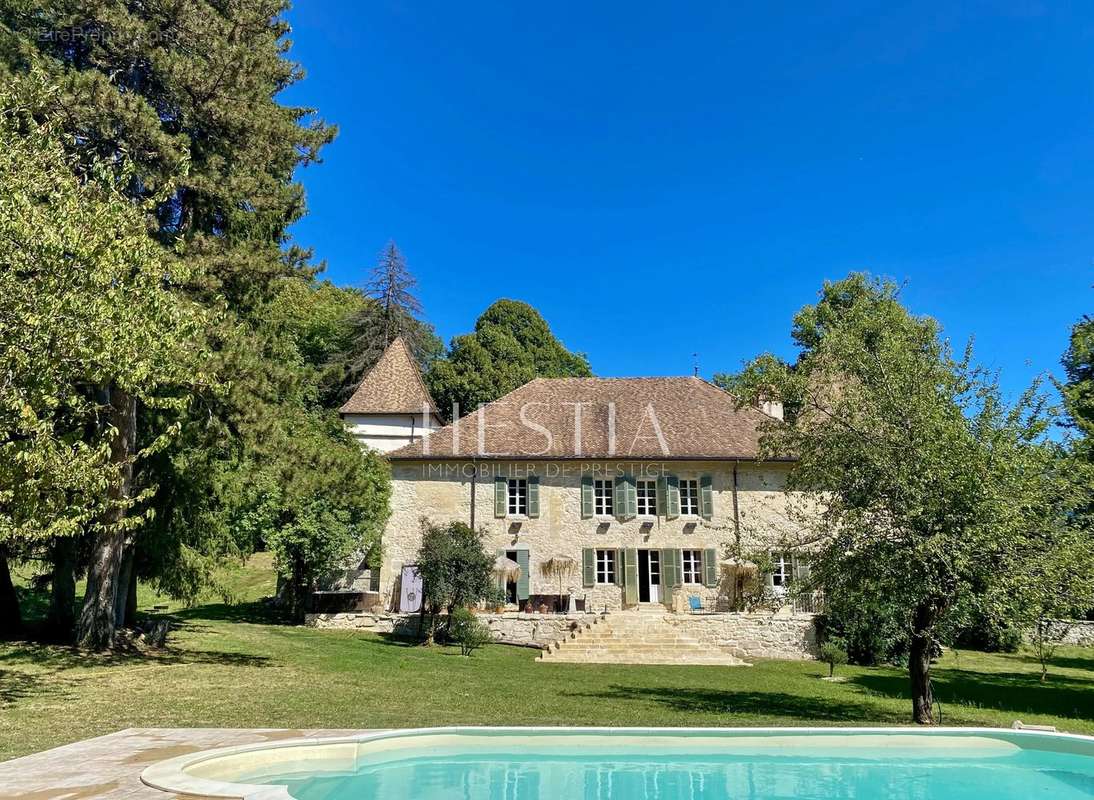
{"x": 667, "y": 179}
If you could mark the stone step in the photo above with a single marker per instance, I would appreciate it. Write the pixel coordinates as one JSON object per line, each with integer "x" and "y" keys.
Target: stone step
{"x": 694, "y": 660}
{"x": 645, "y": 637}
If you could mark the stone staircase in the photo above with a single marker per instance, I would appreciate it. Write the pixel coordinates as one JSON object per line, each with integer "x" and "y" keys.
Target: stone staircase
{"x": 634, "y": 637}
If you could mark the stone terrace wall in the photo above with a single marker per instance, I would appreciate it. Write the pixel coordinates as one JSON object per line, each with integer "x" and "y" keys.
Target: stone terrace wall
{"x": 760, "y": 635}
{"x": 524, "y": 630}
{"x": 754, "y": 635}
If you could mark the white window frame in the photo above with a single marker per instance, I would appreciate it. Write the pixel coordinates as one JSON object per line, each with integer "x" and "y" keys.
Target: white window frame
{"x": 605, "y": 566}
{"x": 603, "y": 497}
{"x": 782, "y": 570}
{"x": 649, "y": 501}
{"x": 516, "y": 497}
{"x": 691, "y": 563}
{"x": 689, "y": 497}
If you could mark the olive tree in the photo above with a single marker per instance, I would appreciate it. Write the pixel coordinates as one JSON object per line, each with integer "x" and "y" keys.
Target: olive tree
{"x": 456, "y": 570}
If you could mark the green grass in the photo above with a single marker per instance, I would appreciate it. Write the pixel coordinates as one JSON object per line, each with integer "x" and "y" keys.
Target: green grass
{"x": 222, "y": 671}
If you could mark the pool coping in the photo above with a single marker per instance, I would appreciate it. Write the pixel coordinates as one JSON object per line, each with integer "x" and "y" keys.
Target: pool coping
{"x": 170, "y": 775}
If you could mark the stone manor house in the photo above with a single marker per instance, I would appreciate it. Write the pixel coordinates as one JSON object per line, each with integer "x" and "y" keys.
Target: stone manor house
{"x": 609, "y": 493}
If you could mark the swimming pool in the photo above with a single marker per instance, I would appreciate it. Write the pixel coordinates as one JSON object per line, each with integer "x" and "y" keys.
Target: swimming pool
{"x": 646, "y": 764}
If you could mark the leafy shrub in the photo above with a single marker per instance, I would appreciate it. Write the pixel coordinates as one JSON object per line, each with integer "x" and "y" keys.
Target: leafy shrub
{"x": 468, "y": 631}
{"x": 991, "y": 636}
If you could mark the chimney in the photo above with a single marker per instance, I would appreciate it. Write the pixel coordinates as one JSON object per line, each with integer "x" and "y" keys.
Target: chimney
{"x": 773, "y": 408}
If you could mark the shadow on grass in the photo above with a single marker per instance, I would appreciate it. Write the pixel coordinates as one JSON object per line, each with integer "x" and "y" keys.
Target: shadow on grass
{"x": 728, "y": 701}
{"x": 1016, "y": 692}
{"x": 16, "y": 686}
{"x": 259, "y": 612}
{"x": 61, "y": 657}
{"x": 1061, "y": 662}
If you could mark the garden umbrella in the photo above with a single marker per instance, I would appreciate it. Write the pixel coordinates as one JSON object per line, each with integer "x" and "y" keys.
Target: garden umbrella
{"x": 739, "y": 564}
{"x": 506, "y": 569}
{"x": 559, "y": 566}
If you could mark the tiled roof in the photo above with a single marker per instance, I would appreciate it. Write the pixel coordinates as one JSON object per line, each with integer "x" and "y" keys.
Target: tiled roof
{"x": 695, "y": 420}
{"x": 393, "y": 386}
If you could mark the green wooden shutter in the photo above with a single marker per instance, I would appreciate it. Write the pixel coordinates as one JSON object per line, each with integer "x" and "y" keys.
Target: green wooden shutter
{"x": 710, "y": 567}
{"x": 662, "y": 497}
{"x": 533, "y": 496}
{"x": 588, "y": 566}
{"x": 630, "y": 487}
{"x": 619, "y": 501}
{"x": 522, "y": 581}
{"x": 586, "y": 497}
{"x": 630, "y": 589}
{"x": 706, "y": 497}
{"x": 672, "y": 501}
{"x": 501, "y": 496}
{"x": 620, "y": 578}
{"x": 669, "y": 576}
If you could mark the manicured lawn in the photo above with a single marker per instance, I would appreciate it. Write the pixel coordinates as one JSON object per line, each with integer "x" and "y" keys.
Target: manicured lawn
{"x": 223, "y": 671}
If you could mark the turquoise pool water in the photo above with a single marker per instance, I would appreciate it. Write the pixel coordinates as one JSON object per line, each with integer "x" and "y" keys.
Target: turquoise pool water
{"x": 669, "y": 765}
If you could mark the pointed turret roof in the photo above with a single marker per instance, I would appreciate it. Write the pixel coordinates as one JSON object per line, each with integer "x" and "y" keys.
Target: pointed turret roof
{"x": 394, "y": 385}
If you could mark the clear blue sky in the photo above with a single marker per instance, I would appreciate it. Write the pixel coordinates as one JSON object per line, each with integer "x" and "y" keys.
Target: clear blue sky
{"x": 665, "y": 179}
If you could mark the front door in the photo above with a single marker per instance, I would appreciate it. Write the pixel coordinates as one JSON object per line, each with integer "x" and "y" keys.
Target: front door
{"x": 649, "y": 576}
{"x": 655, "y": 575}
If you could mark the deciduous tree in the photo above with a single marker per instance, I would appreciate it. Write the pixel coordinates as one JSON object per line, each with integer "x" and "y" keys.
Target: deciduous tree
{"x": 511, "y": 345}
{"x": 924, "y": 484}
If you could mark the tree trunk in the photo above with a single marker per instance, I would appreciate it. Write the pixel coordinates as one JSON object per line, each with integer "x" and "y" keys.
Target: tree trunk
{"x": 130, "y": 620}
{"x": 919, "y": 667}
{"x": 121, "y": 596}
{"x": 96, "y": 626}
{"x": 62, "y": 598}
{"x": 11, "y": 622}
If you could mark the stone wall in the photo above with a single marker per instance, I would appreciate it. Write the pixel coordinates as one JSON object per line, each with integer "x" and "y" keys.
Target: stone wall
{"x": 1070, "y": 631}
{"x": 746, "y": 635}
{"x": 759, "y": 635}
{"x": 441, "y": 491}
{"x": 523, "y": 630}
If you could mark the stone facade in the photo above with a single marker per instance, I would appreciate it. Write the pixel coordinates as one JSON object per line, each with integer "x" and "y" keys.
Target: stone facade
{"x": 746, "y": 635}
{"x": 749, "y": 514}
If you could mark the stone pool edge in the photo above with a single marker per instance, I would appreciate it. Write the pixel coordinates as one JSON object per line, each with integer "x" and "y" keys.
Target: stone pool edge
{"x": 171, "y": 776}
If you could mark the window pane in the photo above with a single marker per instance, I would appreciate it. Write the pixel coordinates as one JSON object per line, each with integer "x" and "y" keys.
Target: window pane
{"x": 647, "y": 498}
{"x": 602, "y": 498}
{"x": 518, "y": 496}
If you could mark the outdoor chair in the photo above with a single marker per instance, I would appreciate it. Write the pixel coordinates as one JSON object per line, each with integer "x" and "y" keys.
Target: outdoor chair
{"x": 695, "y": 604}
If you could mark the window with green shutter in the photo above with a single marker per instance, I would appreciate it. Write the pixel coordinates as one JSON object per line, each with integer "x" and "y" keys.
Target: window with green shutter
{"x": 620, "y": 499}
{"x": 630, "y": 486}
{"x": 588, "y": 566}
{"x": 672, "y": 496}
{"x": 670, "y": 575}
{"x": 533, "y": 496}
{"x": 522, "y": 581}
{"x": 710, "y": 567}
{"x": 706, "y": 497}
{"x": 501, "y": 496}
{"x": 662, "y": 497}
{"x": 586, "y": 496}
